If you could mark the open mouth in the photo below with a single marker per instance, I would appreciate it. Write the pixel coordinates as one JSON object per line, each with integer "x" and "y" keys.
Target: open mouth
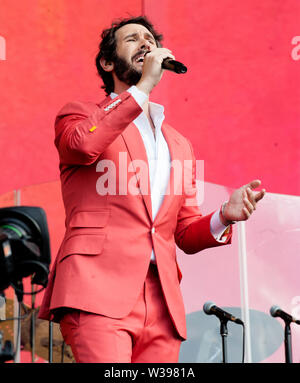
{"x": 139, "y": 58}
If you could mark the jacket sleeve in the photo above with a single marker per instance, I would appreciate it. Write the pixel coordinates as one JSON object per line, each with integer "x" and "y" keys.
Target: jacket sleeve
{"x": 84, "y": 130}
{"x": 193, "y": 232}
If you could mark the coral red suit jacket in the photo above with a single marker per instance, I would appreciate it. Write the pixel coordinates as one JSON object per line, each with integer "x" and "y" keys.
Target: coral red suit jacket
{"x": 104, "y": 256}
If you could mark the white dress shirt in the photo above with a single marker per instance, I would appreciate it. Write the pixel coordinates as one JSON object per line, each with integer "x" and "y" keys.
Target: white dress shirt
{"x": 159, "y": 158}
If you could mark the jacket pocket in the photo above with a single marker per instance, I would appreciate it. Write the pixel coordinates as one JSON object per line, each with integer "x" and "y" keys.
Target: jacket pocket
{"x": 86, "y": 244}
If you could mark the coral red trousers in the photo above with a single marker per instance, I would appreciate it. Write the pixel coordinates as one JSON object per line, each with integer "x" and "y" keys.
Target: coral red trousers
{"x": 146, "y": 335}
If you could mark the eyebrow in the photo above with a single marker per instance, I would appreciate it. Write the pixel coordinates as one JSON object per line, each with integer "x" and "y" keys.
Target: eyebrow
{"x": 136, "y": 35}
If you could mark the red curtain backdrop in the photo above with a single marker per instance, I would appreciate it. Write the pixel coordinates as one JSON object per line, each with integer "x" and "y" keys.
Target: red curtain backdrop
{"x": 238, "y": 102}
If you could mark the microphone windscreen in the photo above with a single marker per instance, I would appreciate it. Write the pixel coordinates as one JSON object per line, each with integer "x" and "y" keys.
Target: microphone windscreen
{"x": 207, "y": 307}
{"x": 273, "y": 310}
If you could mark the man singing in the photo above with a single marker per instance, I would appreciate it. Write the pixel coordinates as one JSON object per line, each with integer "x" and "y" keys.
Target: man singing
{"x": 114, "y": 287}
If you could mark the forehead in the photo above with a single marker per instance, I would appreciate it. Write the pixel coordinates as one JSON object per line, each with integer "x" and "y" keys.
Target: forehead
{"x": 129, "y": 29}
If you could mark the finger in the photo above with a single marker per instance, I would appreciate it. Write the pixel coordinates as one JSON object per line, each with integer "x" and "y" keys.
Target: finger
{"x": 254, "y": 184}
{"x": 251, "y": 197}
{"x": 166, "y": 55}
{"x": 162, "y": 56}
{"x": 248, "y": 204}
{"x": 160, "y": 51}
{"x": 260, "y": 195}
{"x": 166, "y": 50}
{"x": 246, "y": 212}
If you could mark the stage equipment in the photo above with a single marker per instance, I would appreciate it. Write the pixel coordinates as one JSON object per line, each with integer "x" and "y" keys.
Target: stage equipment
{"x": 24, "y": 251}
{"x": 276, "y": 311}
{"x": 6, "y": 350}
{"x": 24, "y": 246}
{"x": 174, "y": 66}
{"x": 210, "y": 308}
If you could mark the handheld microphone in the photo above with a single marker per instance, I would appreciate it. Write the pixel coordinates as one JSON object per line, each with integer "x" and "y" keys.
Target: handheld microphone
{"x": 174, "y": 66}
{"x": 211, "y": 309}
{"x": 276, "y": 311}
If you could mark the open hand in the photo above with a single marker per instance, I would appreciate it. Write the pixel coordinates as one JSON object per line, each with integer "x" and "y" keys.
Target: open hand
{"x": 242, "y": 202}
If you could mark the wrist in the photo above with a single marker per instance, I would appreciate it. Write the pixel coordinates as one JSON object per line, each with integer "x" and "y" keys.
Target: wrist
{"x": 224, "y": 220}
{"x": 144, "y": 86}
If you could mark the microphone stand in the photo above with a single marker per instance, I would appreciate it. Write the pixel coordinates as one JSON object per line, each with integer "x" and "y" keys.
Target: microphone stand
{"x": 50, "y": 354}
{"x": 288, "y": 342}
{"x": 224, "y": 333}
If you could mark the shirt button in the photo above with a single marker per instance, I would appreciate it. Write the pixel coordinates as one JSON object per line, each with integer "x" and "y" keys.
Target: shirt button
{"x": 153, "y": 230}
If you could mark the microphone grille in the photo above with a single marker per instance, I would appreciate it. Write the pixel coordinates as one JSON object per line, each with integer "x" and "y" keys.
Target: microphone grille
{"x": 207, "y": 307}
{"x": 273, "y": 310}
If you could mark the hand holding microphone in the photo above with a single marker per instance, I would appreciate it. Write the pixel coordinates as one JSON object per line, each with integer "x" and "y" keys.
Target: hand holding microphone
{"x": 154, "y": 62}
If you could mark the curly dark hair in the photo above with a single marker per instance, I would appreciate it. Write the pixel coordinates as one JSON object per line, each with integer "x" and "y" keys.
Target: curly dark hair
{"x": 108, "y": 45}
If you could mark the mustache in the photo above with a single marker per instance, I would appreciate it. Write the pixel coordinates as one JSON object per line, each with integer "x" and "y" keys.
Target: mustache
{"x": 140, "y": 52}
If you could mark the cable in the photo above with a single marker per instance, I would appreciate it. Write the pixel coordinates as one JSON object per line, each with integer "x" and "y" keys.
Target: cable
{"x": 25, "y": 292}
{"x": 50, "y": 342}
{"x": 243, "y": 355}
{"x": 62, "y": 352}
{"x": 27, "y": 313}
{"x": 17, "y": 353}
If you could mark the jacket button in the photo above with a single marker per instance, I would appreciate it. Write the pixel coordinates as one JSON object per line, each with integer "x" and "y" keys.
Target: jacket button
{"x": 153, "y": 230}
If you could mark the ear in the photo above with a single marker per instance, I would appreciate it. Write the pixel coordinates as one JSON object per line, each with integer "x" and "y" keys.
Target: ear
{"x": 108, "y": 66}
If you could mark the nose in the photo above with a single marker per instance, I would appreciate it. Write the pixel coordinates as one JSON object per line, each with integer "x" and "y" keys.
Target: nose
{"x": 144, "y": 44}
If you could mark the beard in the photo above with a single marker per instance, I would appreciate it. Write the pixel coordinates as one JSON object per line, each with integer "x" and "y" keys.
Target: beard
{"x": 126, "y": 72}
